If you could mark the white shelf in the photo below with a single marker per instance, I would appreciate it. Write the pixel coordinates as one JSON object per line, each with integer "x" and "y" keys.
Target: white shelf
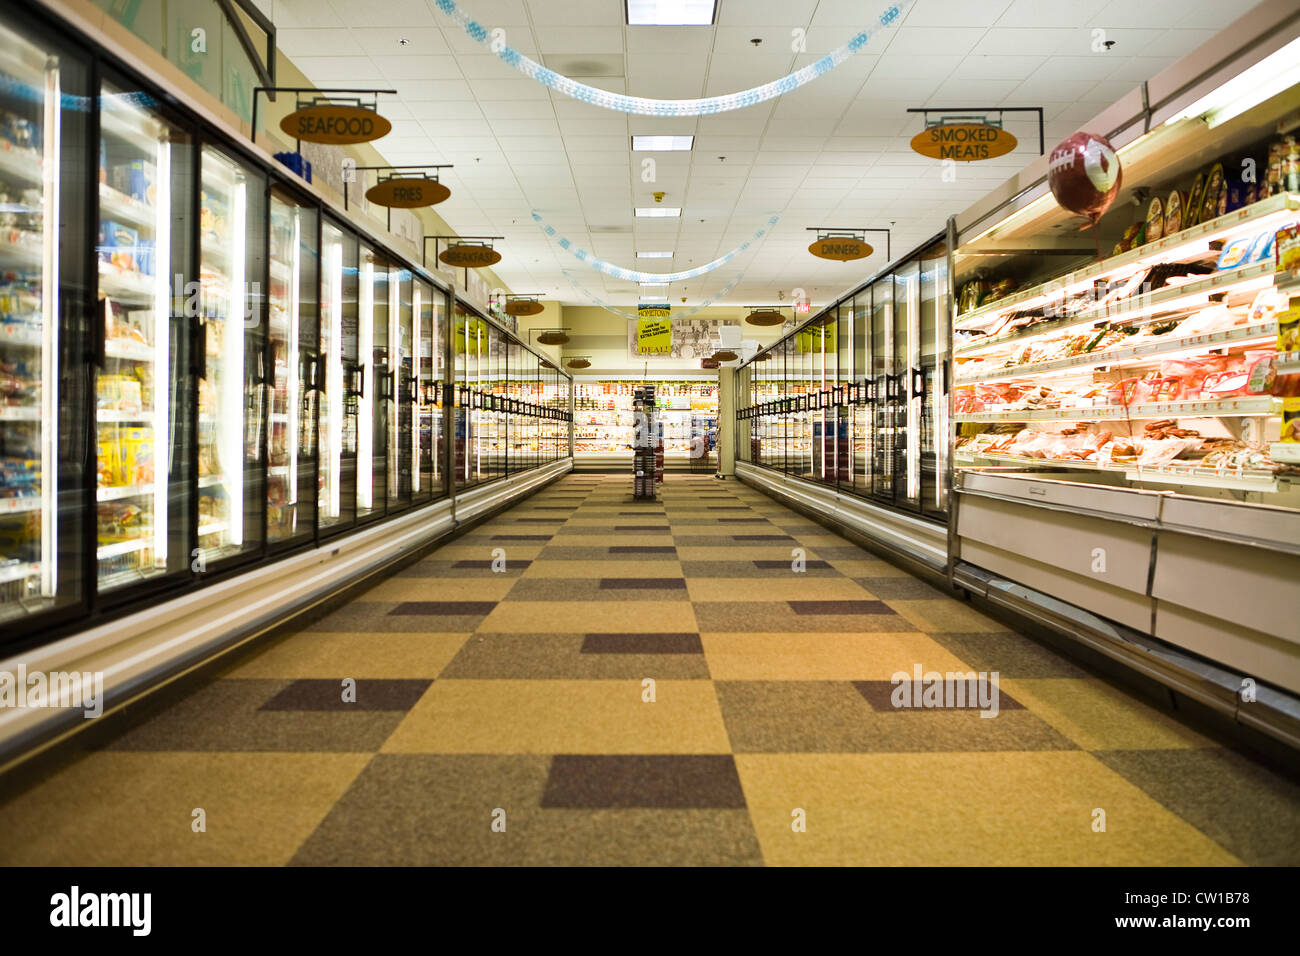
{"x": 1288, "y": 363}
{"x": 9, "y": 506}
{"x": 1178, "y": 473}
{"x": 122, "y": 282}
{"x": 1227, "y": 407}
{"x": 1238, "y": 220}
{"x": 119, "y": 548}
{"x": 1285, "y": 453}
{"x": 1143, "y": 304}
{"x": 21, "y": 164}
{"x": 113, "y": 416}
{"x": 12, "y": 334}
{"x": 1128, "y": 354}
{"x": 118, "y": 492}
{"x": 117, "y": 205}
{"x": 129, "y": 350}
{"x": 214, "y": 527}
{"x": 19, "y": 571}
{"x": 25, "y": 253}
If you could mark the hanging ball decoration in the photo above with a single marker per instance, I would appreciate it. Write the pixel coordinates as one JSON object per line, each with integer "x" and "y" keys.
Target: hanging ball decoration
{"x": 1084, "y": 174}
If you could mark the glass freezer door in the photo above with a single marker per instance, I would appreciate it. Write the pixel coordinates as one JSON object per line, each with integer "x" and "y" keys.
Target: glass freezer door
{"x": 43, "y": 388}
{"x": 236, "y": 373}
{"x": 293, "y": 358}
{"x": 339, "y": 398}
{"x": 140, "y": 444}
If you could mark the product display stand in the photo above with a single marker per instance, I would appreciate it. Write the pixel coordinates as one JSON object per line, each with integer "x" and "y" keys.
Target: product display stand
{"x": 647, "y": 446}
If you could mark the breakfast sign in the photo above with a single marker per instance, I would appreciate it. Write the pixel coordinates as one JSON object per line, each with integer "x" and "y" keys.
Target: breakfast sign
{"x": 963, "y": 142}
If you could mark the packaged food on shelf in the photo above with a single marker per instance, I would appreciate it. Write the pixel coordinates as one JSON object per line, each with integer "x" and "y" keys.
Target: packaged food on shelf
{"x": 137, "y": 178}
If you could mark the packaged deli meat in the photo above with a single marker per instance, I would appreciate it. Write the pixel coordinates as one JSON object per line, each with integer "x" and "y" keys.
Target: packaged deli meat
{"x": 1155, "y": 220}
{"x": 1174, "y": 207}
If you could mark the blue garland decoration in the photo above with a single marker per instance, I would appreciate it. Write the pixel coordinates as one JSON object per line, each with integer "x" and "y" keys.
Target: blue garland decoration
{"x": 652, "y": 107}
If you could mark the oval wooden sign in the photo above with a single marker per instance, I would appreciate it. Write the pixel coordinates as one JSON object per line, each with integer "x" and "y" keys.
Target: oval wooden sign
{"x": 524, "y": 307}
{"x": 553, "y": 338}
{"x": 579, "y": 363}
{"x": 840, "y": 248}
{"x": 765, "y": 317}
{"x": 963, "y": 142}
{"x": 725, "y": 355}
{"x": 408, "y": 193}
{"x": 469, "y": 256}
{"x": 710, "y": 363}
{"x": 336, "y": 124}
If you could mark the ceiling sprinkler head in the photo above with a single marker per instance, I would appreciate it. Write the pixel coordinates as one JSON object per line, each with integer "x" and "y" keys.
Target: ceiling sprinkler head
{"x": 756, "y": 40}
{"x": 402, "y": 41}
{"x": 659, "y": 197}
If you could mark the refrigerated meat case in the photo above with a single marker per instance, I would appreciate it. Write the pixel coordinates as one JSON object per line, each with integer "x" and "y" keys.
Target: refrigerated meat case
{"x": 1124, "y": 462}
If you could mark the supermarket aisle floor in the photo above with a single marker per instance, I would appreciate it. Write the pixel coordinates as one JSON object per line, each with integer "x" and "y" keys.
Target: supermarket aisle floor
{"x": 521, "y": 696}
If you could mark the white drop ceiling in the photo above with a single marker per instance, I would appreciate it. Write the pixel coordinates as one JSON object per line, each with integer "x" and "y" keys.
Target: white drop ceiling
{"x": 834, "y": 153}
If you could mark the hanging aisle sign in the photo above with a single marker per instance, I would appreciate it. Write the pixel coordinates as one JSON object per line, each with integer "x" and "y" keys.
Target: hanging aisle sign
{"x": 337, "y": 124}
{"x": 963, "y": 142}
{"x": 469, "y": 256}
{"x": 654, "y": 336}
{"x": 841, "y": 248}
{"x": 410, "y": 192}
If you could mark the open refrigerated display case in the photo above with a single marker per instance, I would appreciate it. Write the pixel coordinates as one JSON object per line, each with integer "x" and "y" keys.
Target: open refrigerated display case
{"x": 43, "y": 329}
{"x": 1121, "y": 393}
{"x": 604, "y": 417}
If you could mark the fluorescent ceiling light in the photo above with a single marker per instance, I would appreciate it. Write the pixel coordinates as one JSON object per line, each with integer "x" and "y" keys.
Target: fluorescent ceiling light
{"x": 654, "y": 298}
{"x": 1272, "y": 75}
{"x": 662, "y": 144}
{"x": 654, "y": 255}
{"x": 654, "y": 285}
{"x": 658, "y": 212}
{"x": 670, "y": 13}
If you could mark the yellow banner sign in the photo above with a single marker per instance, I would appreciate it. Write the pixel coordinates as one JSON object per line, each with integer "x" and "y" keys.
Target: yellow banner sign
{"x": 654, "y": 336}
{"x": 963, "y": 142}
{"x": 336, "y": 124}
{"x": 816, "y": 340}
{"x": 409, "y": 193}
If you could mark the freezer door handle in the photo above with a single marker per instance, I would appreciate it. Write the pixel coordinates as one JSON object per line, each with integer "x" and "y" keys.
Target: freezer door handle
{"x": 99, "y": 332}
{"x": 918, "y": 383}
{"x": 199, "y": 350}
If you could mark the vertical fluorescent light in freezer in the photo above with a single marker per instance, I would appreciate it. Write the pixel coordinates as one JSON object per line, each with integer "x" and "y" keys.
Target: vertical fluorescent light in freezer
{"x": 913, "y": 400}
{"x": 292, "y": 363}
{"x": 394, "y": 366}
{"x": 334, "y": 386}
{"x": 366, "y": 420}
{"x": 233, "y": 399}
{"x": 417, "y": 406}
{"x": 50, "y": 334}
{"x": 162, "y": 327}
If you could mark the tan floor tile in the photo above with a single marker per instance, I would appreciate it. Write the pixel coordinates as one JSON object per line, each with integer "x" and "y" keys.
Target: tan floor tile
{"x": 580, "y": 717}
{"x": 135, "y": 809}
{"x": 1097, "y": 716}
{"x": 590, "y": 617}
{"x": 613, "y": 568}
{"x": 488, "y": 587}
{"x": 622, "y": 540}
{"x": 962, "y": 809}
{"x": 311, "y": 654}
{"x": 867, "y": 567}
{"x": 792, "y": 587}
{"x": 742, "y": 552}
{"x": 946, "y": 614}
{"x": 523, "y": 550}
{"x": 821, "y": 656}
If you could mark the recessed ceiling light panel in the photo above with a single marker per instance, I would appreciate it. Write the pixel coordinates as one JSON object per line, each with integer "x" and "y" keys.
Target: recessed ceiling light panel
{"x": 654, "y": 255}
{"x": 662, "y": 144}
{"x": 670, "y": 13}
{"x": 658, "y": 212}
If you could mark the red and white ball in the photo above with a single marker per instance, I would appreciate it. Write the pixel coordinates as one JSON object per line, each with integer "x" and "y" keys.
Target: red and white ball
{"x": 1084, "y": 174}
